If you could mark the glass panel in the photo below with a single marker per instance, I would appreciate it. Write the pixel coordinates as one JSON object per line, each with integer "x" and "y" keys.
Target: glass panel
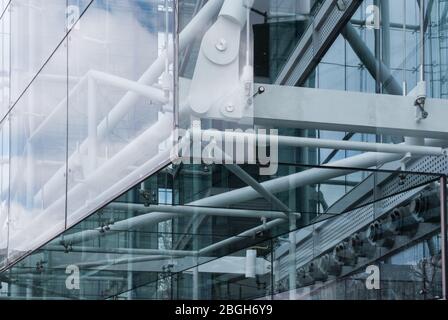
{"x": 38, "y": 151}
{"x": 75, "y": 9}
{"x": 4, "y": 190}
{"x": 120, "y": 102}
{"x": 199, "y": 232}
{"x": 3, "y": 5}
{"x": 37, "y": 28}
{"x": 257, "y": 212}
{"x": 4, "y": 62}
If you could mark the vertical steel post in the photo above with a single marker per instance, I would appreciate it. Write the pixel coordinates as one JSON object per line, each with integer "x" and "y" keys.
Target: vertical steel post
{"x": 385, "y": 32}
{"x": 443, "y": 231}
{"x": 378, "y": 61}
{"x": 176, "y": 53}
{"x": 196, "y": 278}
{"x": 292, "y": 258}
{"x": 422, "y": 40}
{"x": 405, "y": 90}
{"x": 92, "y": 125}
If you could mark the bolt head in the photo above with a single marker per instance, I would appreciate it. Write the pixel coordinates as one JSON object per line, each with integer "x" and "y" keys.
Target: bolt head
{"x": 221, "y": 45}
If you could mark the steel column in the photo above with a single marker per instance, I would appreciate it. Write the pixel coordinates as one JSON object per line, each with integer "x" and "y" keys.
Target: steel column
{"x": 443, "y": 231}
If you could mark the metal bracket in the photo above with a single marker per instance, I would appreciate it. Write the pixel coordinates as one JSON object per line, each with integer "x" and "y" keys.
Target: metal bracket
{"x": 420, "y": 101}
{"x": 219, "y": 89}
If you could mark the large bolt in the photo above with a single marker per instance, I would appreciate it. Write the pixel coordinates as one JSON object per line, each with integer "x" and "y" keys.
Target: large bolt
{"x": 230, "y": 108}
{"x": 221, "y": 45}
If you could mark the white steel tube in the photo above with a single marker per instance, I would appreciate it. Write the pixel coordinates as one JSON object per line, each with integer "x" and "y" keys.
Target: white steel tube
{"x": 247, "y": 178}
{"x": 235, "y": 11}
{"x": 292, "y": 277}
{"x": 131, "y": 251}
{"x": 333, "y": 144}
{"x": 209, "y": 211}
{"x": 251, "y": 263}
{"x": 160, "y": 213}
{"x": 132, "y": 86}
{"x": 244, "y": 235}
{"x": 92, "y": 125}
{"x": 196, "y": 278}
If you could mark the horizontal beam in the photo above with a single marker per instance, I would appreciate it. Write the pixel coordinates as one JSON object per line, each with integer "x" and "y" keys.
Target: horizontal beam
{"x": 291, "y": 141}
{"x": 182, "y": 210}
{"x": 127, "y": 251}
{"x": 293, "y": 107}
{"x": 159, "y": 213}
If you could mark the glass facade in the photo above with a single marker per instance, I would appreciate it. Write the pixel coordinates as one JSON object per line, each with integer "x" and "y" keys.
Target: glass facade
{"x": 168, "y": 238}
{"x": 223, "y": 149}
{"x": 76, "y": 101}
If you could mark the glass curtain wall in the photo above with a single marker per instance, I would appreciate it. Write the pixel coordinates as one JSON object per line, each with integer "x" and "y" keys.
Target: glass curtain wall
{"x": 272, "y": 190}
{"x": 160, "y": 241}
{"x": 86, "y": 104}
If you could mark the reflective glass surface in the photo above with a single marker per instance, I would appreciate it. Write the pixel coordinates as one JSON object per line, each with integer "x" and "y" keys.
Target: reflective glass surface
{"x": 38, "y": 149}
{"x": 200, "y": 232}
{"x": 79, "y": 98}
{"x": 222, "y": 149}
{"x": 37, "y": 28}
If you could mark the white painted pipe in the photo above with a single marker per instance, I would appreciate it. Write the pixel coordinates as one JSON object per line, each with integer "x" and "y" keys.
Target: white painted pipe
{"x": 131, "y": 251}
{"x": 192, "y": 210}
{"x": 292, "y": 276}
{"x": 165, "y": 212}
{"x": 132, "y": 86}
{"x": 235, "y": 10}
{"x": 249, "y": 234}
{"x": 300, "y": 179}
{"x": 92, "y": 125}
{"x": 251, "y": 263}
{"x": 107, "y": 263}
{"x": 328, "y": 144}
{"x": 199, "y": 21}
{"x": 196, "y": 279}
{"x": 48, "y": 277}
{"x": 250, "y": 181}
{"x": 133, "y": 223}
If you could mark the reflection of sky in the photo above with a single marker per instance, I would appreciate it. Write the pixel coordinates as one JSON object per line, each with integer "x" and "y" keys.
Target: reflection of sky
{"x": 145, "y": 11}
{"x": 140, "y": 49}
